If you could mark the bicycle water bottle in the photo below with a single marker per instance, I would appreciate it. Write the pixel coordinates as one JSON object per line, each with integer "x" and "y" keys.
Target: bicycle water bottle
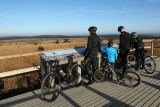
{"x": 61, "y": 71}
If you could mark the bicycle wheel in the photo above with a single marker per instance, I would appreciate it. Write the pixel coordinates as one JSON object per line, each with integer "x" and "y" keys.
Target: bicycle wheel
{"x": 76, "y": 71}
{"x": 132, "y": 79}
{"x": 101, "y": 75}
{"x": 149, "y": 65}
{"x": 131, "y": 61}
{"x": 51, "y": 87}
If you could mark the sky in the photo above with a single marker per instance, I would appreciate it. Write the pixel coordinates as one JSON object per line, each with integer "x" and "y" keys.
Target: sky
{"x": 74, "y": 17}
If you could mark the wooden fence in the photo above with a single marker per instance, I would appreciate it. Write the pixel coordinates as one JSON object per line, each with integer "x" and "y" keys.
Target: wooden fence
{"x": 32, "y": 69}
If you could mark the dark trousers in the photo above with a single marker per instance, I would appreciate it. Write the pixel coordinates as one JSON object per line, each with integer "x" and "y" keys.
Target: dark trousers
{"x": 124, "y": 54}
{"x": 91, "y": 65}
{"x": 139, "y": 53}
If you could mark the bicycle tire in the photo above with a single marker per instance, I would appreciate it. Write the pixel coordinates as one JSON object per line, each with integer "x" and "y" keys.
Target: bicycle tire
{"x": 77, "y": 77}
{"x": 128, "y": 79}
{"x": 149, "y": 64}
{"x": 131, "y": 60}
{"x": 101, "y": 75}
{"x": 48, "y": 84}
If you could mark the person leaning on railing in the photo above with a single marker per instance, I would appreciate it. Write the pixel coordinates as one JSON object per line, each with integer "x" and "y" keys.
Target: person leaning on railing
{"x": 91, "y": 52}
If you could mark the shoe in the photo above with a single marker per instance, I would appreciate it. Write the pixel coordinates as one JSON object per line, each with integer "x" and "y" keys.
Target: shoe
{"x": 89, "y": 83}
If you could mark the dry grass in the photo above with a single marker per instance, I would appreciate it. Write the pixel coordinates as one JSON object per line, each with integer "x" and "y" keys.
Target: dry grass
{"x": 28, "y": 61}
{"x": 10, "y": 47}
{"x": 19, "y": 63}
{"x": 27, "y": 46}
{"x": 21, "y": 46}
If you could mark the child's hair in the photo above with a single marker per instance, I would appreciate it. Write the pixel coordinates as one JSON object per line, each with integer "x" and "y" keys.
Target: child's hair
{"x": 110, "y": 44}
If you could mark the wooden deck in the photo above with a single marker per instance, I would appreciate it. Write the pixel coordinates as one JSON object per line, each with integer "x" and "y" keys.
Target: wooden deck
{"x": 98, "y": 95}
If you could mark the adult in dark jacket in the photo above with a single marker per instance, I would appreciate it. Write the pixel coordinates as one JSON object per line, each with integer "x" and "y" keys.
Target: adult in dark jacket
{"x": 139, "y": 48}
{"x": 93, "y": 46}
{"x": 124, "y": 47}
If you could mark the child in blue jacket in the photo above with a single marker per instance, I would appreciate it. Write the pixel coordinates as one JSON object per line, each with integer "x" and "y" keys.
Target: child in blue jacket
{"x": 111, "y": 55}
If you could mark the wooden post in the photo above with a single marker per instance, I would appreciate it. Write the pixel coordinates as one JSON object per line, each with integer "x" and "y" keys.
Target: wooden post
{"x": 152, "y": 48}
{"x": 79, "y": 71}
{"x": 99, "y": 60}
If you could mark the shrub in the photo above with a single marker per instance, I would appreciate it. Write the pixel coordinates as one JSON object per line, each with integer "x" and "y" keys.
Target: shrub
{"x": 41, "y": 48}
{"x": 35, "y": 43}
{"x": 67, "y": 40}
{"x": 57, "y": 42}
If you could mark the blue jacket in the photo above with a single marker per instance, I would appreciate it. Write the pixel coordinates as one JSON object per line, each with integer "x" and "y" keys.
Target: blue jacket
{"x": 111, "y": 54}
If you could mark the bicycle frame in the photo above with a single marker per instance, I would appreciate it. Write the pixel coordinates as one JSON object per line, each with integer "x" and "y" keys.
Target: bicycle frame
{"x": 112, "y": 69}
{"x": 70, "y": 64}
{"x": 54, "y": 69}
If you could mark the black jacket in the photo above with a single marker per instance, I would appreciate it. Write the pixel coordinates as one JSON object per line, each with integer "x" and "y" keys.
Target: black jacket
{"x": 126, "y": 41}
{"x": 93, "y": 45}
{"x": 137, "y": 43}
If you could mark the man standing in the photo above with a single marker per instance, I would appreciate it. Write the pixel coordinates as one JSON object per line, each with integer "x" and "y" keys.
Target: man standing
{"x": 124, "y": 47}
{"x": 93, "y": 46}
{"x": 139, "y": 46}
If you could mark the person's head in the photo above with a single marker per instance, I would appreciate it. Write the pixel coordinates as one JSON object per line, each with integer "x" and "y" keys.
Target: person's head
{"x": 134, "y": 34}
{"x": 92, "y": 30}
{"x": 121, "y": 29}
{"x": 110, "y": 44}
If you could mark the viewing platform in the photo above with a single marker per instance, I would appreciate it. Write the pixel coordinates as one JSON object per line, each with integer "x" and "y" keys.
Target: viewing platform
{"x": 98, "y": 94}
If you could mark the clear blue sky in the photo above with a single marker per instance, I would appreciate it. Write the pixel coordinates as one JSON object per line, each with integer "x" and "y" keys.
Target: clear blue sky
{"x": 73, "y": 17}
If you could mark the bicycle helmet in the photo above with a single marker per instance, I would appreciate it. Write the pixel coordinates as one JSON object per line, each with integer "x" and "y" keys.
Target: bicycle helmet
{"x": 134, "y": 34}
{"x": 92, "y": 29}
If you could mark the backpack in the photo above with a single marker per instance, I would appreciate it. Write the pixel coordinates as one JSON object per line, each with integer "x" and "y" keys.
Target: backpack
{"x": 140, "y": 43}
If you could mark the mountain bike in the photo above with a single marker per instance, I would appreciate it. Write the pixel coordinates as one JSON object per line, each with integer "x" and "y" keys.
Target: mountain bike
{"x": 51, "y": 85}
{"x": 148, "y": 63}
{"x": 130, "y": 78}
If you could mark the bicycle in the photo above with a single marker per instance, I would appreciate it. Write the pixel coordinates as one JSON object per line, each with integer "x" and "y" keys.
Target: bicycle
{"x": 130, "y": 78}
{"x": 51, "y": 85}
{"x": 148, "y": 63}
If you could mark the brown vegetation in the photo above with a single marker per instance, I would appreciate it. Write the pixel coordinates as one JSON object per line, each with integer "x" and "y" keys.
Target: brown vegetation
{"x": 21, "y": 46}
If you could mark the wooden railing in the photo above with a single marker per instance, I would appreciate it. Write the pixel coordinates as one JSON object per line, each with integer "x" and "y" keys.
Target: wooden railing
{"x": 32, "y": 69}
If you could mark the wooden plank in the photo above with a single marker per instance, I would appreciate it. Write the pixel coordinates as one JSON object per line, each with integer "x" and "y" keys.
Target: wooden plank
{"x": 17, "y": 72}
{"x": 97, "y": 94}
{"x": 152, "y": 47}
{"x": 32, "y": 69}
{"x": 134, "y": 92}
{"x": 34, "y": 53}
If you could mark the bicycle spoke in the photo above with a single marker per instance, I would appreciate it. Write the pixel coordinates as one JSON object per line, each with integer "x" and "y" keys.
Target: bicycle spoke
{"x": 51, "y": 87}
{"x": 131, "y": 79}
{"x": 149, "y": 65}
